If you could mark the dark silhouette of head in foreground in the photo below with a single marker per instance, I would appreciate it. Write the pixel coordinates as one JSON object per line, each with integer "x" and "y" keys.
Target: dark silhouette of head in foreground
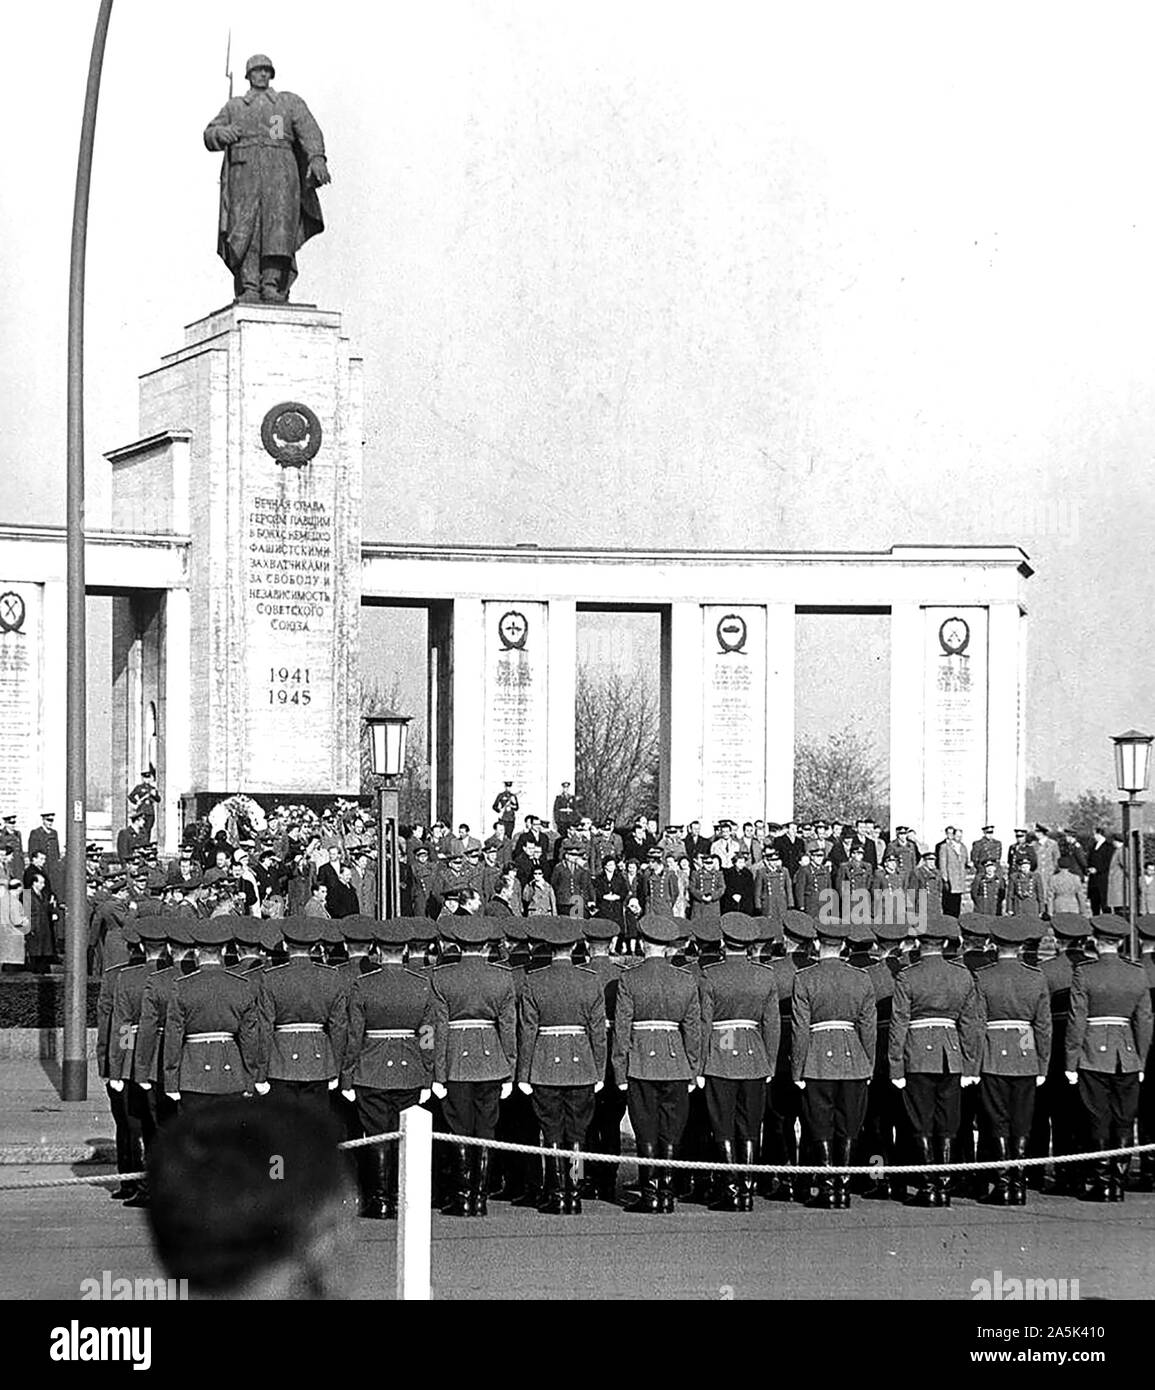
{"x": 252, "y": 1199}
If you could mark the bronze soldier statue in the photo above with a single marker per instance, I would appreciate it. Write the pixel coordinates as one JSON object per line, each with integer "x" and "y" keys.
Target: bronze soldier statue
{"x": 274, "y": 162}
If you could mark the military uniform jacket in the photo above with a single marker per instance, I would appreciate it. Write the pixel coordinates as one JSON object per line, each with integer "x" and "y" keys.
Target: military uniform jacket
{"x": 1109, "y": 1029}
{"x": 773, "y": 891}
{"x": 657, "y": 991}
{"x": 104, "y": 1038}
{"x": 562, "y": 995}
{"x": 148, "y": 1058}
{"x": 399, "y": 1001}
{"x": 741, "y": 1023}
{"x": 830, "y": 991}
{"x": 127, "y": 1002}
{"x": 301, "y": 991}
{"x": 211, "y": 1000}
{"x": 785, "y": 968}
{"x": 479, "y": 1041}
{"x": 938, "y": 998}
{"x": 1009, "y": 992}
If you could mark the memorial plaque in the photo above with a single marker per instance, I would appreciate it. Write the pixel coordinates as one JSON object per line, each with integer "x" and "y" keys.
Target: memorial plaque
{"x": 734, "y": 712}
{"x": 20, "y": 684}
{"x": 516, "y": 729}
{"x": 290, "y": 562}
{"x": 955, "y": 724}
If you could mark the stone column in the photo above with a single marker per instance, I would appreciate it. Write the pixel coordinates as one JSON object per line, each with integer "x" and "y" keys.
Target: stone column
{"x": 1005, "y": 790}
{"x": 174, "y": 775}
{"x": 684, "y": 641}
{"x": 468, "y": 713}
{"x": 53, "y": 711}
{"x": 907, "y": 699}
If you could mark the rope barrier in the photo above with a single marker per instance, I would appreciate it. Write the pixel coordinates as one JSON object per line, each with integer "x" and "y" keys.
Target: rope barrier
{"x": 876, "y": 1170}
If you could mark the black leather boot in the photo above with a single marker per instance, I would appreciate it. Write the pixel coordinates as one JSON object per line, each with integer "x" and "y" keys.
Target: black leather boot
{"x": 1018, "y": 1187}
{"x": 748, "y": 1152}
{"x": 823, "y": 1198}
{"x": 479, "y": 1188}
{"x": 841, "y": 1149}
{"x": 666, "y": 1180}
{"x": 1099, "y": 1187}
{"x": 923, "y": 1195}
{"x": 647, "y": 1198}
{"x": 943, "y": 1148}
{"x": 571, "y": 1187}
{"x": 725, "y": 1196}
{"x": 375, "y": 1202}
{"x": 1145, "y": 1182}
{"x": 1000, "y": 1189}
{"x": 460, "y": 1203}
{"x": 552, "y": 1201}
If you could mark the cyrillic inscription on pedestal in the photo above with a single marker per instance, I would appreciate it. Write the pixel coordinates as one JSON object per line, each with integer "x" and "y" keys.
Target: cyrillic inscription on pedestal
{"x": 955, "y": 731}
{"x": 290, "y": 557}
{"x": 516, "y": 731}
{"x": 734, "y": 712}
{"x": 20, "y": 772}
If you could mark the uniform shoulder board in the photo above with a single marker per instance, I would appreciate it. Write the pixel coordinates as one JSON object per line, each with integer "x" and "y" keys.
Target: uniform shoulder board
{"x": 189, "y": 976}
{"x": 987, "y": 966}
{"x": 324, "y": 965}
{"x": 1037, "y": 969}
{"x": 279, "y": 966}
{"x": 1135, "y": 964}
{"x": 239, "y": 975}
{"x": 585, "y": 970}
{"x": 418, "y": 974}
{"x": 802, "y": 969}
{"x": 958, "y": 963}
{"x": 501, "y": 965}
{"x": 764, "y": 965}
{"x": 711, "y": 964}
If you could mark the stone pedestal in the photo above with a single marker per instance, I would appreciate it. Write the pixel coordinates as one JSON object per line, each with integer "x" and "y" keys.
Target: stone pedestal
{"x": 269, "y": 398}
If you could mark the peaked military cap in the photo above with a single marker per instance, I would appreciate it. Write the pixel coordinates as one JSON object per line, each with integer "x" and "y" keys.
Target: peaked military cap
{"x": 361, "y": 929}
{"x": 155, "y": 928}
{"x": 176, "y": 930}
{"x": 395, "y": 931}
{"x": 1071, "y": 926}
{"x": 330, "y": 931}
{"x": 858, "y": 934}
{"x": 892, "y": 931}
{"x": 301, "y": 931}
{"x": 1013, "y": 931}
{"x": 976, "y": 924}
{"x": 743, "y": 929}
{"x": 941, "y": 927}
{"x": 1145, "y": 926}
{"x": 271, "y": 934}
{"x": 214, "y": 931}
{"x": 470, "y": 930}
{"x": 600, "y": 929}
{"x": 799, "y": 924}
{"x": 1113, "y": 928}
{"x": 556, "y": 931}
{"x": 706, "y": 929}
{"x": 664, "y": 930}
{"x": 247, "y": 930}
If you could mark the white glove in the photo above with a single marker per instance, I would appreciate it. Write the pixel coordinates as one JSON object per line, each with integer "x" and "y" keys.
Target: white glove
{"x": 424, "y": 1096}
{"x": 173, "y": 1095}
{"x": 506, "y": 1089}
{"x": 115, "y": 1085}
{"x": 970, "y": 1081}
{"x": 145, "y": 1085}
{"x": 1141, "y": 1078}
{"x": 898, "y": 1082}
{"x": 699, "y": 1081}
{"x": 350, "y": 1094}
{"x": 1039, "y": 1080}
{"x": 598, "y": 1086}
{"x": 1072, "y": 1077}
{"x": 439, "y": 1090}
{"x": 691, "y": 1088}
{"x": 801, "y": 1085}
{"x": 624, "y": 1086}
{"x": 525, "y": 1088}
{"x": 262, "y": 1088}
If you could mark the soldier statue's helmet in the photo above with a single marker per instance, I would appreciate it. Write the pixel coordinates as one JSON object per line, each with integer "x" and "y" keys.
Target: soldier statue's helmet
{"x": 260, "y": 60}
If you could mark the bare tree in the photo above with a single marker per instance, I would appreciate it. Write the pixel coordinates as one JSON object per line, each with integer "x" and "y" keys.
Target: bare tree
{"x": 414, "y": 788}
{"x": 617, "y": 744}
{"x": 839, "y": 776}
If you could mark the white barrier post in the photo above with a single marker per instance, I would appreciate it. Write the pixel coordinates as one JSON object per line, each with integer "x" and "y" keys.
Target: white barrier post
{"x": 415, "y": 1219}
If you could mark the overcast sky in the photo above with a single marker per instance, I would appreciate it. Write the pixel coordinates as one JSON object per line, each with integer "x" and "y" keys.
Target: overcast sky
{"x": 648, "y": 273}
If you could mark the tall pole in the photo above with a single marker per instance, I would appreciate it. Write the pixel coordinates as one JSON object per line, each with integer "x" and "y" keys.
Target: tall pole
{"x": 74, "y": 1072}
{"x": 391, "y": 811}
{"x": 1129, "y": 872}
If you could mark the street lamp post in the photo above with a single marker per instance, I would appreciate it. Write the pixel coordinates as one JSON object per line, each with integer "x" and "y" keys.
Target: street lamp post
{"x": 388, "y": 735}
{"x": 1132, "y": 771}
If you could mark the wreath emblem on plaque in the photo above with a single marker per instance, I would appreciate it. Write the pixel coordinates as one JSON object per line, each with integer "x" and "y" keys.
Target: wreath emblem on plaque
{"x": 291, "y": 432}
{"x": 954, "y": 636}
{"x": 12, "y": 612}
{"x": 732, "y": 633}
{"x": 513, "y": 629}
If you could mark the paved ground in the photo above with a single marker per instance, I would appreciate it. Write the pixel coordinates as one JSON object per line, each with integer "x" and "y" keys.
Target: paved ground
{"x": 54, "y": 1239}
